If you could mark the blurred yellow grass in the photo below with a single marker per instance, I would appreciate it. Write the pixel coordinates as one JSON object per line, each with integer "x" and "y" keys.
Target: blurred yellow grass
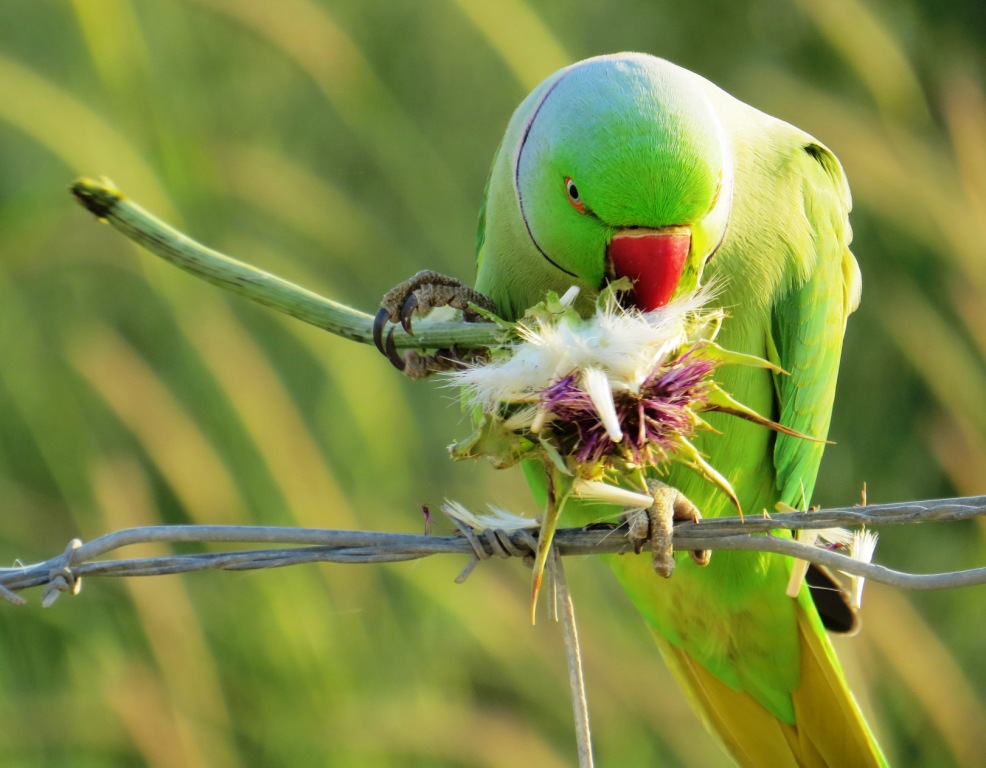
{"x": 196, "y": 473}
{"x": 78, "y": 136}
{"x": 937, "y": 683}
{"x": 306, "y": 34}
{"x": 190, "y": 698}
{"x": 526, "y": 45}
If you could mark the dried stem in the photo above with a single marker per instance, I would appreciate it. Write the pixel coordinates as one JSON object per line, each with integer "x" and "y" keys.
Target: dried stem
{"x": 573, "y": 657}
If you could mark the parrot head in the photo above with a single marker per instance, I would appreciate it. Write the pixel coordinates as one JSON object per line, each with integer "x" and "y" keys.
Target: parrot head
{"x": 622, "y": 170}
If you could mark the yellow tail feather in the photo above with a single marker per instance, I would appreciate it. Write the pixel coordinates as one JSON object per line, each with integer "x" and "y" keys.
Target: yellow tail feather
{"x": 829, "y": 730}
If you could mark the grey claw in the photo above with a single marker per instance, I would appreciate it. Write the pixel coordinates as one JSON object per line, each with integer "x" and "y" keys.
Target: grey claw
{"x": 701, "y": 557}
{"x": 379, "y": 322}
{"x": 391, "y": 352}
{"x": 407, "y": 310}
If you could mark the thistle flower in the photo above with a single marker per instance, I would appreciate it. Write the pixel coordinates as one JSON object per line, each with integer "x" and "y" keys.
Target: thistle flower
{"x": 601, "y": 397}
{"x": 498, "y": 518}
{"x": 826, "y": 538}
{"x": 626, "y": 346}
{"x": 619, "y": 390}
{"x": 641, "y": 424}
{"x": 614, "y": 494}
{"x": 862, "y": 548}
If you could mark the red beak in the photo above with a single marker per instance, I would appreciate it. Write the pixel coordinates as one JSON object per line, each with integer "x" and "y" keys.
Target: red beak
{"x": 654, "y": 259}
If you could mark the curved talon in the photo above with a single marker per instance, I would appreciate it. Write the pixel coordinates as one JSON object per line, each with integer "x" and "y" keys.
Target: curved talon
{"x": 379, "y": 322}
{"x": 700, "y": 557}
{"x": 407, "y": 311}
{"x": 655, "y": 526}
{"x": 418, "y": 296}
{"x": 457, "y": 358}
{"x": 391, "y": 352}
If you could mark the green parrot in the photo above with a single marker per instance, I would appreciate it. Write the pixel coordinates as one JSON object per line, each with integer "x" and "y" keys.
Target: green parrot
{"x": 629, "y": 166}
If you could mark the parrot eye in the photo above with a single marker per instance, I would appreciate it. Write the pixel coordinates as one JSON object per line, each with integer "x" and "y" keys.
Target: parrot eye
{"x": 573, "y": 195}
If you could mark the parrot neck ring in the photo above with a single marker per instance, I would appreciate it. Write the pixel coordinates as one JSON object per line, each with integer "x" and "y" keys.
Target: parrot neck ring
{"x": 711, "y": 230}
{"x": 516, "y": 165}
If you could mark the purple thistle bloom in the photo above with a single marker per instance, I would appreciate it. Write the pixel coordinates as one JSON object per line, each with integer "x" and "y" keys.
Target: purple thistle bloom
{"x": 652, "y": 419}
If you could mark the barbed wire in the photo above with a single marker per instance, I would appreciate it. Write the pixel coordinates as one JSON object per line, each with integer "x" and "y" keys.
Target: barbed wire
{"x": 295, "y": 546}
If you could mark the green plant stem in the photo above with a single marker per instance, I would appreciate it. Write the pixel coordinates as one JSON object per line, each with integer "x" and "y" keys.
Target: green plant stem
{"x": 109, "y": 205}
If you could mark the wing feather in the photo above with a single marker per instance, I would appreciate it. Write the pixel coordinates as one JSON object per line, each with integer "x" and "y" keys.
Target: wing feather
{"x": 808, "y": 323}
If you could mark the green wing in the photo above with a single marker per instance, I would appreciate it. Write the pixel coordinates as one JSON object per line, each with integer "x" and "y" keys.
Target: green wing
{"x": 808, "y": 324}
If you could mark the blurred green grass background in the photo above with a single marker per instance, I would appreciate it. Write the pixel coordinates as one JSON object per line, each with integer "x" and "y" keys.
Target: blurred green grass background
{"x": 345, "y": 145}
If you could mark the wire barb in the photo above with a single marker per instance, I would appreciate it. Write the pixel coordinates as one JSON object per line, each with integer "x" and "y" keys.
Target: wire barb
{"x": 61, "y": 578}
{"x": 493, "y": 543}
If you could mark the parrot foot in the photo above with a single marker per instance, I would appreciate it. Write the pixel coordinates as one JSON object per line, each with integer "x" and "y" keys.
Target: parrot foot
{"x": 420, "y": 294}
{"x": 655, "y": 526}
